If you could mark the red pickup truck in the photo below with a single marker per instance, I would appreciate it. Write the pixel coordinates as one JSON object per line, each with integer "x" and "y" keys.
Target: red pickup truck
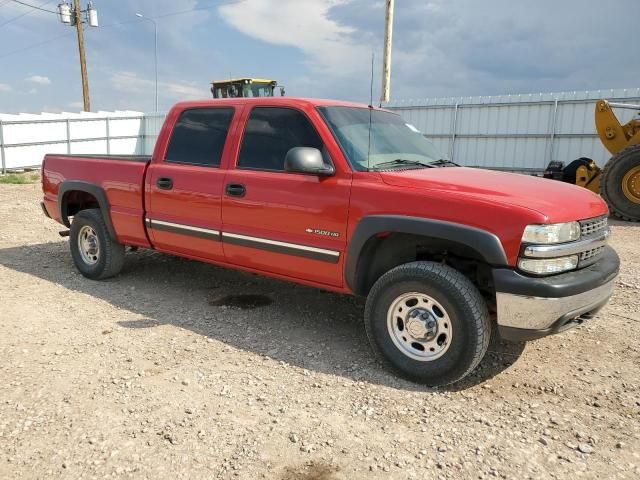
{"x": 348, "y": 198}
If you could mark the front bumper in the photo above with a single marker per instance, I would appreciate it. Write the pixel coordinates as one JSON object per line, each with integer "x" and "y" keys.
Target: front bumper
{"x": 530, "y": 308}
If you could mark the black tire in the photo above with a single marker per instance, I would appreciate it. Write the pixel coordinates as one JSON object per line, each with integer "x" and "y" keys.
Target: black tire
{"x": 464, "y": 306}
{"x": 611, "y": 184}
{"x": 110, "y": 255}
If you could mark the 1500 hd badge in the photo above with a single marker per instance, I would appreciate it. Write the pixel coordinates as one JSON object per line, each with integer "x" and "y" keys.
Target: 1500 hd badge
{"x": 319, "y": 231}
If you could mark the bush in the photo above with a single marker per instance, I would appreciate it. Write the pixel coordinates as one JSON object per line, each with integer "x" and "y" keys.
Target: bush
{"x": 20, "y": 178}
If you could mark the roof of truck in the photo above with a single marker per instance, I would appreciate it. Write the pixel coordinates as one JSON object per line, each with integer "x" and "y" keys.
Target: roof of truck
{"x": 272, "y": 101}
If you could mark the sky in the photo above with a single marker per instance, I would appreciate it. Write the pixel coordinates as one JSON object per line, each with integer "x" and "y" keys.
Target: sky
{"x": 316, "y": 48}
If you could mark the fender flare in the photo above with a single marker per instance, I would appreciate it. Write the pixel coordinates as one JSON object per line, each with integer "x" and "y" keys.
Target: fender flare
{"x": 91, "y": 188}
{"x": 487, "y": 244}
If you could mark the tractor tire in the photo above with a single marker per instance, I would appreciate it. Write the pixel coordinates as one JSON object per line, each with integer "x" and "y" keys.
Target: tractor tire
{"x": 620, "y": 184}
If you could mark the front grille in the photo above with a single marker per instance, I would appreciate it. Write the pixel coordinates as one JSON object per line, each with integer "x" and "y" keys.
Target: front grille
{"x": 590, "y": 256}
{"x": 593, "y": 226}
{"x": 590, "y": 228}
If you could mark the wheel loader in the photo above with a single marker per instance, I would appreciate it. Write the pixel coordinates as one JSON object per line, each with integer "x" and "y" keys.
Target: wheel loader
{"x": 619, "y": 181}
{"x": 245, "y": 87}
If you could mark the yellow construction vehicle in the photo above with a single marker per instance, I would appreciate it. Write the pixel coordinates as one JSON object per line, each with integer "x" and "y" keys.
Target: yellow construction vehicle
{"x": 244, "y": 87}
{"x": 619, "y": 181}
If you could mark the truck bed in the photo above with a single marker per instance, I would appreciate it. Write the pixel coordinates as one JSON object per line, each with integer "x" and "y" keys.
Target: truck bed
{"x": 119, "y": 178}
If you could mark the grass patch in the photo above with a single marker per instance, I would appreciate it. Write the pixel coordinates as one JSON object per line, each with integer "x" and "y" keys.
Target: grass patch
{"x": 20, "y": 178}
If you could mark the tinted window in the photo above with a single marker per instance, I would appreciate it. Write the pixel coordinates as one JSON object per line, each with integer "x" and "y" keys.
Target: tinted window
{"x": 199, "y": 136}
{"x": 271, "y": 133}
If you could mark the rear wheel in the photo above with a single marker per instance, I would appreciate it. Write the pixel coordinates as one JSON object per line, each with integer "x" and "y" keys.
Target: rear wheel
{"x": 620, "y": 185}
{"x": 95, "y": 253}
{"x": 427, "y": 322}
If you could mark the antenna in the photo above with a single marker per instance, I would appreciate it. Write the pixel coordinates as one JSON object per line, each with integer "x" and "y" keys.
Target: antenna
{"x": 371, "y": 87}
{"x": 370, "y": 111}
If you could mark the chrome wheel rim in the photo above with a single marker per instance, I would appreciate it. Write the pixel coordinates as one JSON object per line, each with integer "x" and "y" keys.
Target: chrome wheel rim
{"x": 419, "y": 326}
{"x": 88, "y": 245}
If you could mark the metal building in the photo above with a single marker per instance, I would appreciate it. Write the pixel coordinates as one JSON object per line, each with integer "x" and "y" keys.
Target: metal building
{"x": 515, "y": 132}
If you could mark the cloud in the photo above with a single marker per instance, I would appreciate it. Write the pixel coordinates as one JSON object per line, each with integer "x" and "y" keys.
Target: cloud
{"x": 322, "y": 48}
{"x": 444, "y": 47}
{"x": 132, "y": 83}
{"x": 306, "y": 25}
{"x": 38, "y": 79}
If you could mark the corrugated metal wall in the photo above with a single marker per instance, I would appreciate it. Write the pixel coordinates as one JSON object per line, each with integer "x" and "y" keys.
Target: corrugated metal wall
{"x": 26, "y": 138}
{"x": 511, "y": 132}
{"x": 515, "y": 132}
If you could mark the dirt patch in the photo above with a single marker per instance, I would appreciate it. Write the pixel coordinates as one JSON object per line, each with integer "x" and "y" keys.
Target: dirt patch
{"x": 313, "y": 471}
{"x": 245, "y": 302}
{"x": 140, "y": 377}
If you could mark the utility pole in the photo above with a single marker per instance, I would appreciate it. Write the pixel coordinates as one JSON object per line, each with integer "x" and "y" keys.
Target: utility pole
{"x": 83, "y": 59}
{"x": 386, "y": 61}
{"x": 74, "y": 16}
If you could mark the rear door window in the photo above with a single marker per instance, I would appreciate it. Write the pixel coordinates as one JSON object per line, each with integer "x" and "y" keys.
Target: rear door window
{"x": 199, "y": 136}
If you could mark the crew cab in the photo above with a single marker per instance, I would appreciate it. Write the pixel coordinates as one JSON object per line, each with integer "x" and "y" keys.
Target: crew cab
{"x": 348, "y": 198}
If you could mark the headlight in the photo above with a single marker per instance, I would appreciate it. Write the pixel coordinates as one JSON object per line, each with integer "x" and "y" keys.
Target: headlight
{"x": 548, "y": 266}
{"x": 553, "y": 233}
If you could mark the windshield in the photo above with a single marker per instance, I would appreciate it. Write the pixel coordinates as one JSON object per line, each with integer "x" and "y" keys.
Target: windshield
{"x": 257, "y": 89}
{"x": 393, "y": 142}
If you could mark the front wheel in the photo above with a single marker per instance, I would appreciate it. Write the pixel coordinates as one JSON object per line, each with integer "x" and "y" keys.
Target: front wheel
{"x": 427, "y": 322}
{"x": 94, "y": 252}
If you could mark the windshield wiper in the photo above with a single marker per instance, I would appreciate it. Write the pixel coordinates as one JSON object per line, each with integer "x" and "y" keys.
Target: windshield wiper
{"x": 401, "y": 162}
{"x": 443, "y": 162}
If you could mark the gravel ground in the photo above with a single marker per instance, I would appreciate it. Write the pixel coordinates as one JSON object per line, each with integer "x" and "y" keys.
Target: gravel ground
{"x": 152, "y": 375}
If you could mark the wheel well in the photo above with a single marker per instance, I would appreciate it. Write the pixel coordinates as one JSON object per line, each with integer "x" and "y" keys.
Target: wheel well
{"x": 382, "y": 253}
{"x": 76, "y": 200}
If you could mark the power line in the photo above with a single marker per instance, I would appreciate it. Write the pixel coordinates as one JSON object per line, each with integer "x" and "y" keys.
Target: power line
{"x": 25, "y": 13}
{"x": 34, "y": 45}
{"x": 182, "y": 12}
{"x": 36, "y": 7}
{"x": 218, "y": 4}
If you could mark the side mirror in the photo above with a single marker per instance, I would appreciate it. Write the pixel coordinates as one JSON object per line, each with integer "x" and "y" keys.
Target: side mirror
{"x": 307, "y": 160}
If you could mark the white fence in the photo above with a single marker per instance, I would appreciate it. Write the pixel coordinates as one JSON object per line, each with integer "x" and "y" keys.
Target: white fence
{"x": 515, "y": 132}
{"x": 25, "y": 139}
{"x": 510, "y": 132}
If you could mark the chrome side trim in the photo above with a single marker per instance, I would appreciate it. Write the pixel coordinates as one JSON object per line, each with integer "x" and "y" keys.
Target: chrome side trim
{"x": 294, "y": 246}
{"x": 295, "y": 249}
{"x": 538, "y": 313}
{"x": 183, "y": 229}
{"x": 190, "y": 228}
{"x": 564, "y": 249}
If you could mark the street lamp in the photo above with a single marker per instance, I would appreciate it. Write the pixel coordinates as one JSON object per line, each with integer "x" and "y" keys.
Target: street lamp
{"x": 155, "y": 50}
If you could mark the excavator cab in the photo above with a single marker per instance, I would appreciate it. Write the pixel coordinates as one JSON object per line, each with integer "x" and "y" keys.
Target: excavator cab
{"x": 244, "y": 87}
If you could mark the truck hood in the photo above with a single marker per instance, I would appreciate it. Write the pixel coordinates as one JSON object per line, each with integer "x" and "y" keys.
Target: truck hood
{"x": 557, "y": 201}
